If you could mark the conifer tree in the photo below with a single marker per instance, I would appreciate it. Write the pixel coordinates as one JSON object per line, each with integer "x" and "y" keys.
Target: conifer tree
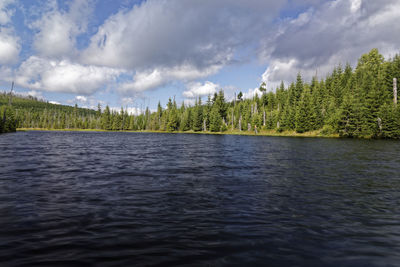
{"x": 215, "y": 119}
{"x": 350, "y": 120}
{"x": 389, "y": 122}
{"x": 197, "y": 116}
{"x": 106, "y": 119}
{"x": 304, "y": 113}
{"x": 173, "y": 119}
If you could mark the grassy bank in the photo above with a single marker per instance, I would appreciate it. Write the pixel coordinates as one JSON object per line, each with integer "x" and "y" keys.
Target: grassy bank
{"x": 228, "y": 132}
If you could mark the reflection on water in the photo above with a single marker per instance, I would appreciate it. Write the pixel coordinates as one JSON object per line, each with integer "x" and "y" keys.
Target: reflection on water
{"x": 71, "y": 198}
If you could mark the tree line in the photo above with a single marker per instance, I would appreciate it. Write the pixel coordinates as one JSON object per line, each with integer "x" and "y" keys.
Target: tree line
{"x": 350, "y": 102}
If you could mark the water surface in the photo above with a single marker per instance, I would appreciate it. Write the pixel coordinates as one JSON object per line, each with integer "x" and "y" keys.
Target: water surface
{"x": 107, "y": 199}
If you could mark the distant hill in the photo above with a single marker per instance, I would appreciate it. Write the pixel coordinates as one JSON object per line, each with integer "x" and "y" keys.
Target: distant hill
{"x": 20, "y": 102}
{"x": 31, "y": 112}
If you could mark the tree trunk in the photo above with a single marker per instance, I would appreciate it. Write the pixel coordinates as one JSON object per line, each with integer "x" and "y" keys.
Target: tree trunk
{"x": 395, "y": 91}
{"x": 233, "y": 119}
{"x": 264, "y": 118}
{"x": 240, "y": 123}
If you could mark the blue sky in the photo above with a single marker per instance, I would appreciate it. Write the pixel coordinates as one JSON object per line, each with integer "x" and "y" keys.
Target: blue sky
{"x": 136, "y": 53}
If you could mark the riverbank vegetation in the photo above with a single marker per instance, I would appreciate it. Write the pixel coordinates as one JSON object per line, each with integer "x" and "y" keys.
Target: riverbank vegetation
{"x": 348, "y": 102}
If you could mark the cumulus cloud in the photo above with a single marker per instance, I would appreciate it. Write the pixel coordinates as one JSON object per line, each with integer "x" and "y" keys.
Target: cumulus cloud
{"x": 335, "y": 32}
{"x": 86, "y": 102}
{"x": 197, "y": 89}
{"x": 9, "y": 42}
{"x": 81, "y": 98}
{"x": 9, "y": 46}
{"x": 157, "y": 77}
{"x": 172, "y": 33}
{"x": 252, "y": 93}
{"x": 32, "y": 93}
{"x": 164, "y": 41}
{"x": 57, "y": 30}
{"x": 130, "y": 110}
{"x": 63, "y": 76}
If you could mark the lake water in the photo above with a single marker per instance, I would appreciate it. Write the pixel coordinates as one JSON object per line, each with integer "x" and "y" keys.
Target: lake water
{"x": 133, "y": 199}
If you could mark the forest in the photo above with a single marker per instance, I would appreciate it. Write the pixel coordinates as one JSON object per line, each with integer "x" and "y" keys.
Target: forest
{"x": 360, "y": 102}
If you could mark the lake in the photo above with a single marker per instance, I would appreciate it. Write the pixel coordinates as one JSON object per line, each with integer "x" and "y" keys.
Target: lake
{"x": 134, "y": 199}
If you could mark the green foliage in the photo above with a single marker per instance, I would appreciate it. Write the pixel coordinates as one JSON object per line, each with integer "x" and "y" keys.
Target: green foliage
{"x": 350, "y": 118}
{"x": 215, "y": 119}
{"x": 389, "y": 121}
{"x": 327, "y": 130}
{"x": 305, "y": 118}
{"x": 8, "y": 122}
{"x": 240, "y": 96}
{"x": 173, "y": 119}
{"x": 197, "y": 116}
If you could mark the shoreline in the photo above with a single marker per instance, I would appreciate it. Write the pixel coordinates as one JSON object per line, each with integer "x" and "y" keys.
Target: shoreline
{"x": 313, "y": 134}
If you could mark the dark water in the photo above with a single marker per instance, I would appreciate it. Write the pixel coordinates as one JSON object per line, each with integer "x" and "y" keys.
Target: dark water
{"x": 130, "y": 199}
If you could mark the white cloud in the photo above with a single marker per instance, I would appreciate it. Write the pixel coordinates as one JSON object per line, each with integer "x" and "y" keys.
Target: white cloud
{"x": 197, "y": 89}
{"x": 9, "y": 48}
{"x": 332, "y": 33}
{"x": 189, "y": 102}
{"x": 57, "y": 30}
{"x": 6, "y": 74}
{"x": 63, "y": 76}
{"x": 159, "y": 33}
{"x": 86, "y": 102}
{"x": 32, "y": 93}
{"x": 81, "y": 98}
{"x": 355, "y": 5}
{"x": 158, "y": 77}
{"x": 252, "y": 93}
{"x": 54, "y": 102}
{"x": 131, "y": 110}
{"x": 9, "y": 42}
{"x": 127, "y": 101}
{"x": 165, "y": 41}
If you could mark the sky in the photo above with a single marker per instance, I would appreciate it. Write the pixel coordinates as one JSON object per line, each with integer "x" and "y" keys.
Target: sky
{"x": 133, "y": 54}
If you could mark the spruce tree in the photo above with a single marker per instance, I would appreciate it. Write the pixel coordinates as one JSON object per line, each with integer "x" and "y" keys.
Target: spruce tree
{"x": 350, "y": 120}
{"x": 304, "y": 113}
{"x": 215, "y": 119}
{"x": 389, "y": 122}
{"x": 197, "y": 116}
{"x": 106, "y": 119}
